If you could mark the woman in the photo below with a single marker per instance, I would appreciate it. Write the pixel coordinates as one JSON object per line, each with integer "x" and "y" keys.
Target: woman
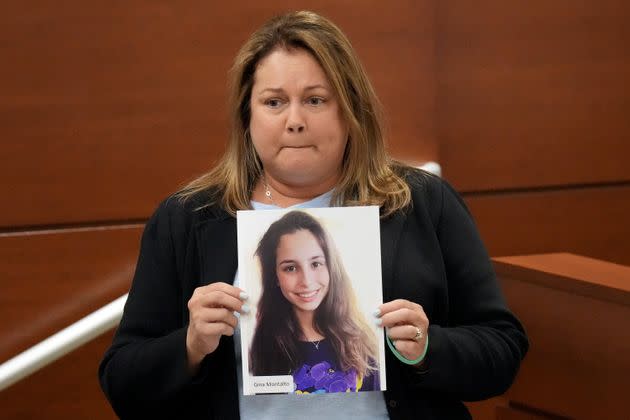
{"x": 307, "y": 323}
{"x": 306, "y": 130}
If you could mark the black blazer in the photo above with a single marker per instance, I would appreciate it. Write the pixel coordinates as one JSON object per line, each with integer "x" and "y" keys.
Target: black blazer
{"x": 431, "y": 254}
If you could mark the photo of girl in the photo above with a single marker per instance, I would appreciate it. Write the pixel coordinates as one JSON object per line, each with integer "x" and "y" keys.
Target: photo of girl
{"x": 307, "y": 322}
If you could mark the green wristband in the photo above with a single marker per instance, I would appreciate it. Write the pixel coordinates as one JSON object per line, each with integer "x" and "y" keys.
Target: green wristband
{"x": 403, "y": 358}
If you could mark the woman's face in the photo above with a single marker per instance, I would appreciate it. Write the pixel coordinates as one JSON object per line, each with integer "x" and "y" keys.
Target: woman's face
{"x": 296, "y": 125}
{"x": 302, "y": 270}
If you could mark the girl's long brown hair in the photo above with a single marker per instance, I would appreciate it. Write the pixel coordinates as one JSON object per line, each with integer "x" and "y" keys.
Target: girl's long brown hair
{"x": 274, "y": 349}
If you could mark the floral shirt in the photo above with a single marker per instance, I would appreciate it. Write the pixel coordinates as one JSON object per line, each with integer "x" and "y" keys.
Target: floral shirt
{"x": 320, "y": 372}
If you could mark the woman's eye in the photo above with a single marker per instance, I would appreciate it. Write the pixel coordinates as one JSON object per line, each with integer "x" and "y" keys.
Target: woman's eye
{"x": 316, "y": 264}
{"x": 289, "y": 268}
{"x": 273, "y": 103}
{"x": 315, "y": 101}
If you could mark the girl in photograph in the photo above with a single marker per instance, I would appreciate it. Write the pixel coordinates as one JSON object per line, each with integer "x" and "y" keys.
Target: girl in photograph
{"x": 308, "y": 324}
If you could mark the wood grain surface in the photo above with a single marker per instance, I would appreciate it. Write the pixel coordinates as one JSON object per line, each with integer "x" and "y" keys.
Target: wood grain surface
{"x": 533, "y": 93}
{"x": 50, "y": 280}
{"x": 587, "y": 221}
{"x": 577, "y": 366}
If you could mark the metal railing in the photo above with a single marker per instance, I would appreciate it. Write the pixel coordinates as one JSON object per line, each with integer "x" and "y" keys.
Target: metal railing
{"x": 61, "y": 343}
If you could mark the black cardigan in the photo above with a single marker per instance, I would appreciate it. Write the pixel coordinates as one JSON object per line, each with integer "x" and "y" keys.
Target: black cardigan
{"x": 431, "y": 254}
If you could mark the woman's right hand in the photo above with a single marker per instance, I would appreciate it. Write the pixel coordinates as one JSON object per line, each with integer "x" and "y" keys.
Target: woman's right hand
{"x": 211, "y": 311}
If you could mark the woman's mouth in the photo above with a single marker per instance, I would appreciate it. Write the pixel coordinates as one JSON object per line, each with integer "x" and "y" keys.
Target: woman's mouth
{"x": 300, "y": 147}
{"x": 308, "y": 296}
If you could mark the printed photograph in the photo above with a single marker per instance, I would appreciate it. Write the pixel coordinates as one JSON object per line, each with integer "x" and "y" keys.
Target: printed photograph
{"x": 314, "y": 280}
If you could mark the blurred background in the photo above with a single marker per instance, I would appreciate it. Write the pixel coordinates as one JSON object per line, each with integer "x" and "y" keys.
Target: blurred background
{"x": 106, "y": 107}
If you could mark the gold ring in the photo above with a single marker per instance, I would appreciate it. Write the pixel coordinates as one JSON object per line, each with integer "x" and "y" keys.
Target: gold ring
{"x": 418, "y": 335}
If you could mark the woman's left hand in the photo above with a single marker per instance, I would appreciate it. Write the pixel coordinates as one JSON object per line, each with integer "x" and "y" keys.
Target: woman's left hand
{"x": 406, "y": 325}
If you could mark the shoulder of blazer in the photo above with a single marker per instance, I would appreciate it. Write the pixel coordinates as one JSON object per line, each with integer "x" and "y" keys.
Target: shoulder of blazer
{"x": 181, "y": 215}
{"x": 426, "y": 191}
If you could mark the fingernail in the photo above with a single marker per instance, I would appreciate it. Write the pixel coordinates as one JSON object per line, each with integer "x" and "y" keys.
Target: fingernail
{"x": 245, "y": 308}
{"x": 243, "y": 296}
{"x": 377, "y": 312}
{"x": 378, "y": 322}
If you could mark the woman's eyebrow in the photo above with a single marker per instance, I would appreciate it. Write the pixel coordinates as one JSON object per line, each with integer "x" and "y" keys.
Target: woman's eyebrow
{"x": 272, "y": 90}
{"x": 313, "y": 87}
{"x": 280, "y": 90}
{"x": 291, "y": 261}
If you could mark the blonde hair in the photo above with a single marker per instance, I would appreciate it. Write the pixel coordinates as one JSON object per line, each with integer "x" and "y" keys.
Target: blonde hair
{"x": 368, "y": 177}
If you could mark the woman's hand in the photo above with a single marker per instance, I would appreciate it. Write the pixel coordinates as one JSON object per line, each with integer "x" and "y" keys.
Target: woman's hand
{"x": 211, "y": 311}
{"x": 406, "y": 325}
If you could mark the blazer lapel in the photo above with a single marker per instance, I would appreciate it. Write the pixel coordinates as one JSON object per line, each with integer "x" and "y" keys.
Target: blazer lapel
{"x": 216, "y": 243}
{"x": 391, "y": 229}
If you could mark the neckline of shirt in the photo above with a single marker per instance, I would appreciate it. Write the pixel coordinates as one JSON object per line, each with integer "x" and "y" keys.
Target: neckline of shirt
{"x": 319, "y": 201}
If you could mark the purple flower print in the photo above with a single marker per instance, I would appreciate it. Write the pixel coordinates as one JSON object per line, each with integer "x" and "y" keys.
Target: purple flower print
{"x": 339, "y": 385}
{"x": 303, "y": 379}
{"x": 322, "y": 378}
{"x": 320, "y": 370}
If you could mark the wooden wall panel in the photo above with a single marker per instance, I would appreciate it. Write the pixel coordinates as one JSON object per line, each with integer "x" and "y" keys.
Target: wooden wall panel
{"x": 514, "y": 413}
{"x": 486, "y": 409}
{"x": 107, "y": 107}
{"x": 533, "y": 93}
{"x": 589, "y": 221}
{"x": 66, "y": 389}
{"x": 50, "y": 280}
{"x": 577, "y": 366}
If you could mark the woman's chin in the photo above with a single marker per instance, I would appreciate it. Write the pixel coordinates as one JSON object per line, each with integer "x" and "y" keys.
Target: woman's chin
{"x": 302, "y": 173}
{"x": 307, "y": 306}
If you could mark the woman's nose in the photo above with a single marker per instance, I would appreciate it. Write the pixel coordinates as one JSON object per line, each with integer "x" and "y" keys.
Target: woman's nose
{"x": 295, "y": 119}
{"x": 307, "y": 278}
{"x": 295, "y": 128}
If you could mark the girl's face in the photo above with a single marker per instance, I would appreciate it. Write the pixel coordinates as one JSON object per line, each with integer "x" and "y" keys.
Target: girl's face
{"x": 302, "y": 270}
